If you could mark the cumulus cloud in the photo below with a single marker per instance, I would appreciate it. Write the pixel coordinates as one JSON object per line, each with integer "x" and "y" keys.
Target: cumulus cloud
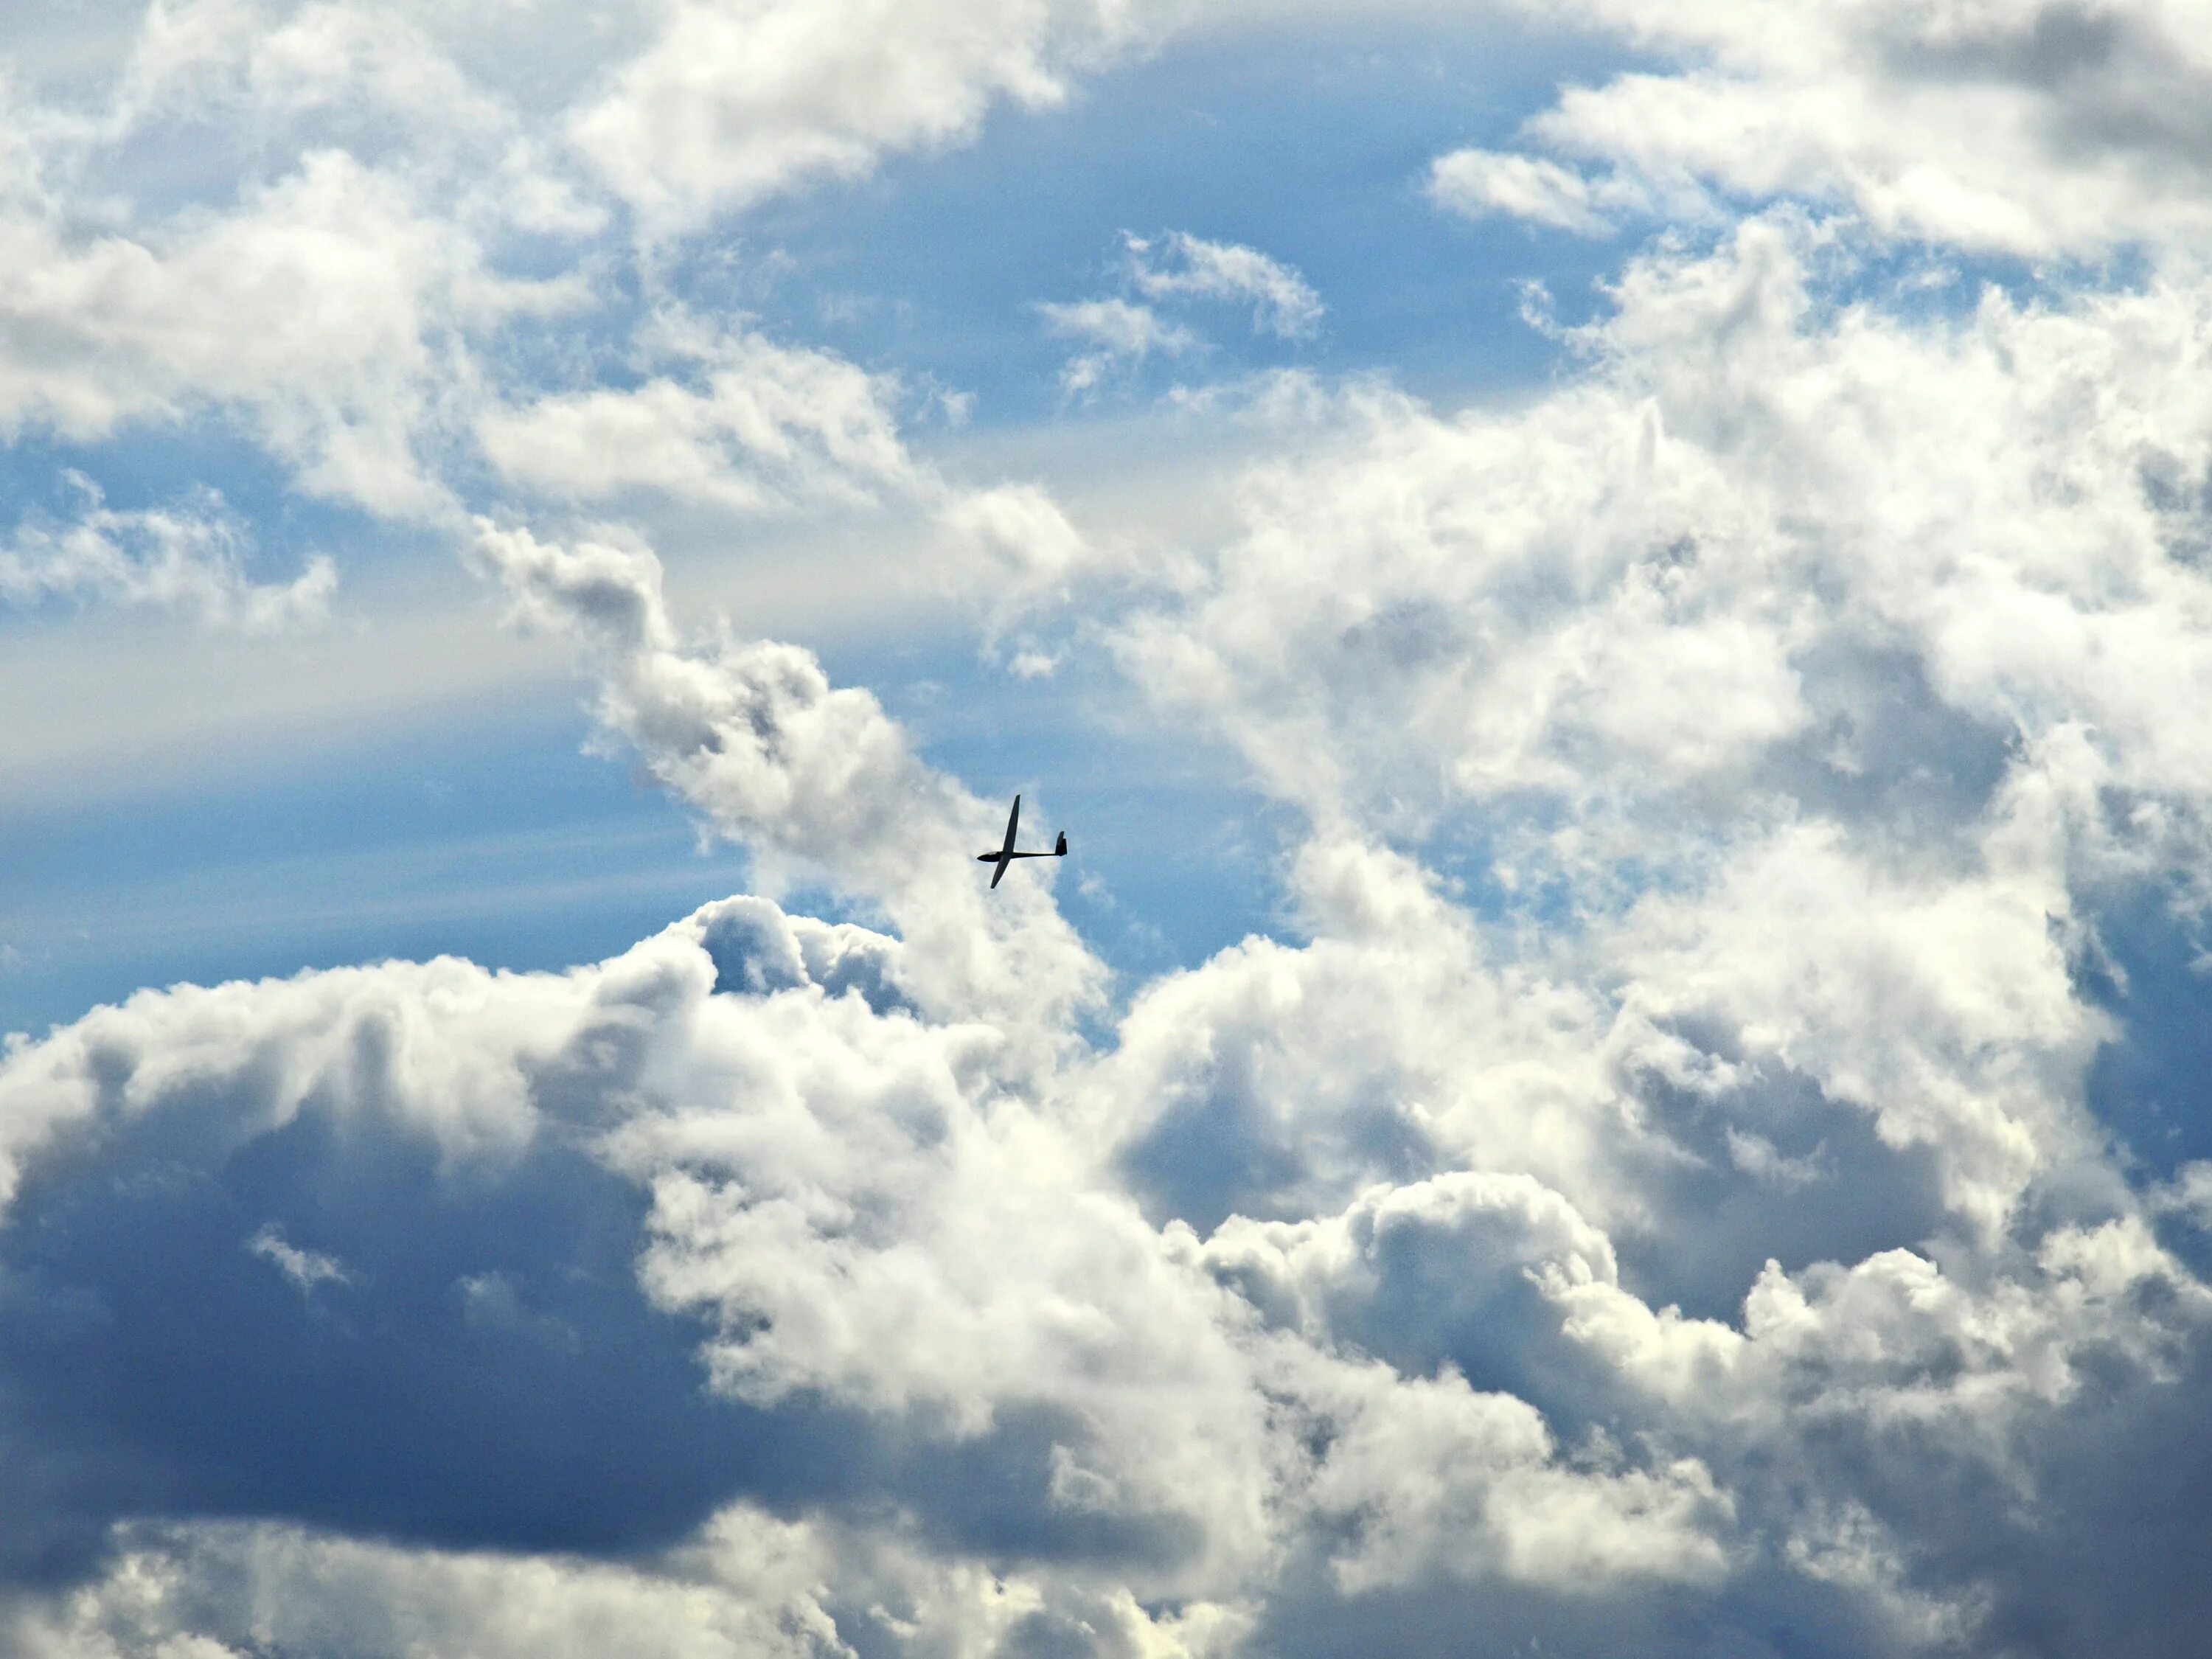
{"x": 1414, "y": 629}
{"x": 321, "y": 301}
{"x": 751, "y": 1586}
{"x": 2046, "y": 130}
{"x": 729, "y": 103}
{"x": 1843, "y": 955}
{"x": 1748, "y": 496}
{"x": 736, "y": 422}
{"x": 812, "y": 778}
{"x": 1896, "y": 815}
{"x": 341, "y": 278}
{"x": 307, "y": 309}
{"x": 904, "y": 1278}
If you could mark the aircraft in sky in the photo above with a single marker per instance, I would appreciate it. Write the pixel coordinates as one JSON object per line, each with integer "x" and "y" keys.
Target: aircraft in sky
{"x": 1006, "y": 855}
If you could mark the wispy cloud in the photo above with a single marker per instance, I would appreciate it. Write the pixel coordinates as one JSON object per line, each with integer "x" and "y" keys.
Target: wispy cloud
{"x": 1183, "y": 266}
{"x": 305, "y": 1268}
{"x": 1124, "y": 334}
{"x": 191, "y": 556}
{"x": 1475, "y": 182}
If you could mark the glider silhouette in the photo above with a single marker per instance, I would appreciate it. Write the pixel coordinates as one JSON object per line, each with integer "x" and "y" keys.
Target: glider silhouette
{"x": 1006, "y": 855}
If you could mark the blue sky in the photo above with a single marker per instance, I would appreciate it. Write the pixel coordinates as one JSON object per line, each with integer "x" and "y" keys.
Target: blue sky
{"x": 441, "y": 833}
{"x": 1613, "y": 601}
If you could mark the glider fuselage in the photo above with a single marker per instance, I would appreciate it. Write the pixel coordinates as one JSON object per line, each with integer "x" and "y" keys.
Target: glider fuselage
{"x": 1007, "y": 855}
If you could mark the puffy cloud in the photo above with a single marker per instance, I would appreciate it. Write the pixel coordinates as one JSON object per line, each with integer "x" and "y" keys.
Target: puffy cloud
{"x": 2046, "y": 130}
{"x": 1812, "y": 647}
{"x": 1478, "y": 181}
{"x": 822, "y": 1253}
{"x": 259, "y": 63}
{"x": 1838, "y": 524}
{"x": 486, "y": 1155}
{"x": 321, "y": 308}
{"x": 755, "y": 1595}
{"x": 811, "y": 777}
{"x": 337, "y": 278}
{"x": 731, "y": 102}
{"x": 908, "y": 1284}
{"x": 1772, "y": 630}
{"x": 738, "y": 421}
{"x": 315, "y": 265}
{"x": 1437, "y": 1477}
{"x": 1947, "y": 1012}
{"x": 751, "y": 1585}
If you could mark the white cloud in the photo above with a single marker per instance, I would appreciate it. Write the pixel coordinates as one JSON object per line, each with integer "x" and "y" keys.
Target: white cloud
{"x": 751, "y": 1586}
{"x": 1630, "y": 626}
{"x": 1746, "y": 495}
{"x": 305, "y": 1268}
{"x": 287, "y": 1043}
{"x": 322, "y": 310}
{"x": 348, "y": 308}
{"x": 2046, "y": 130}
{"x": 1759, "y": 1158}
{"x": 1282, "y": 301}
{"x": 753, "y": 1592}
{"x": 743, "y": 423}
{"x": 1127, "y": 332}
{"x": 811, "y": 777}
{"x": 1475, "y": 182}
{"x": 730, "y": 103}
{"x": 868, "y": 1209}
{"x": 1436, "y": 1477}
{"x": 1123, "y": 332}
{"x": 1772, "y": 630}
{"x": 190, "y": 557}
{"x": 910, "y": 1219}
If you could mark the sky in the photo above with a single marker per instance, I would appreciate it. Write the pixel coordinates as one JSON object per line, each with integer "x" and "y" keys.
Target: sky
{"x": 1615, "y": 600}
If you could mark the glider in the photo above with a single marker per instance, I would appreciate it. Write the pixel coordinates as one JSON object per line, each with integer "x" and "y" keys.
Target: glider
{"x": 1006, "y": 855}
